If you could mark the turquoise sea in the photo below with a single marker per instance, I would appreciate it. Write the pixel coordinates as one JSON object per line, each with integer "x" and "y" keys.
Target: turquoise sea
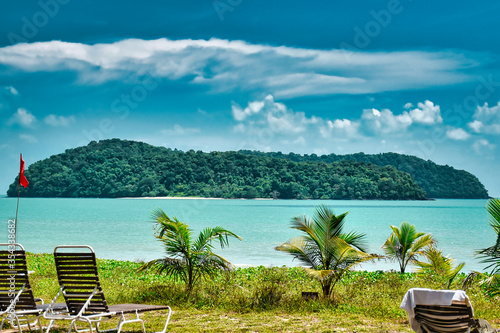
{"x": 122, "y": 228}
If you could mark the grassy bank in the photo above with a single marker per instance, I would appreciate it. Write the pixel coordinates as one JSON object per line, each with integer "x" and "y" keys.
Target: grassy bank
{"x": 263, "y": 299}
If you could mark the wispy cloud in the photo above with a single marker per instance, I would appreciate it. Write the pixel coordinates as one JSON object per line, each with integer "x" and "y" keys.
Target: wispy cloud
{"x": 11, "y": 90}
{"x": 486, "y": 119}
{"x": 28, "y": 138}
{"x": 179, "y": 130}
{"x": 59, "y": 121}
{"x": 225, "y": 65}
{"x": 483, "y": 146}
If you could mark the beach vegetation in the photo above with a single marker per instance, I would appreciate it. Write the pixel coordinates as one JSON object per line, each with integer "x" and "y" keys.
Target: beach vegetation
{"x": 325, "y": 248}
{"x": 261, "y": 299}
{"x": 405, "y": 244}
{"x": 188, "y": 259}
{"x": 491, "y": 255}
{"x": 439, "y": 265}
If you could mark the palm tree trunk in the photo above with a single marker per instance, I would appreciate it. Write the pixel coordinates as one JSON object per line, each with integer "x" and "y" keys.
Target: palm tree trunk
{"x": 327, "y": 287}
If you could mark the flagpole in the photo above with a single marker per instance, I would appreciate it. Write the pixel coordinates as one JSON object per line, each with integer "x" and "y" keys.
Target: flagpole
{"x": 18, "y": 194}
{"x": 17, "y": 209}
{"x": 24, "y": 182}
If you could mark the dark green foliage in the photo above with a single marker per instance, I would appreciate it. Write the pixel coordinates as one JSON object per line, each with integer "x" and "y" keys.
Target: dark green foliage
{"x": 438, "y": 181}
{"x": 120, "y": 168}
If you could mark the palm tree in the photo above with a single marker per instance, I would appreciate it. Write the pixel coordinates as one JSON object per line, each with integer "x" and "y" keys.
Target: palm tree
{"x": 405, "y": 244}
{"x": 326, "y": 248}
{"x": 188, "y": 259}
{"x": 491, "y": 255}
{"x": 439, "y": 264}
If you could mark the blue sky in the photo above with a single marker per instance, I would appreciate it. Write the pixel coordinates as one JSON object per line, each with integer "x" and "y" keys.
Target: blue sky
{"x": 414, "y": 77}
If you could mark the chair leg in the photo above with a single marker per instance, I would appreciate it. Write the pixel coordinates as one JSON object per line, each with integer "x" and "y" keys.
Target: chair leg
{"x": 166, "y": 322}
{"x": 51, "y": 323}
{"x": 19, "y": 325}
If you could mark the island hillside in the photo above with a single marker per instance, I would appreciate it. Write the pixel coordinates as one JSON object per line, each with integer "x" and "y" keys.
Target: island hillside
{"x": 121, "y": 168}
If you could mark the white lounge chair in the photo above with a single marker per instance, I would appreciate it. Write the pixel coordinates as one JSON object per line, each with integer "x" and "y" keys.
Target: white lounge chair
{"x": 17, "y": 304}
{"x": 438, "y": 310}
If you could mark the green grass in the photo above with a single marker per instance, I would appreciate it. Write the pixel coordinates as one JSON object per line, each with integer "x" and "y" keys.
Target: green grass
{"x": 260, "y": 299}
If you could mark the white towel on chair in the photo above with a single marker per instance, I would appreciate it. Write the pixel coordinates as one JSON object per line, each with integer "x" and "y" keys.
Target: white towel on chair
{"x": 425, "y": 296}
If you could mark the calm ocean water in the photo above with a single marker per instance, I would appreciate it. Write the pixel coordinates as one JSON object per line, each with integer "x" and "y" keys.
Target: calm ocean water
{"x": 122, "y": 228}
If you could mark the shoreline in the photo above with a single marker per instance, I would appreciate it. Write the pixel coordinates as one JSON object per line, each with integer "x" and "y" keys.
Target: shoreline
{"x": 190, "y": 198}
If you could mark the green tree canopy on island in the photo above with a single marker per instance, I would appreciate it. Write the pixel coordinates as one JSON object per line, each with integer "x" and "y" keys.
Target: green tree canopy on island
{"x": 120, "y": 168}
{"x": 438, "y": 181}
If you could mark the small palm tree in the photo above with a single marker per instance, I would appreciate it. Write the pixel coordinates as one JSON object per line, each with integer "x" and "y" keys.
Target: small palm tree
{"x": 491, "y": 255}
{"x": 326, "y": 248}
{"x": 188, "y": 259}
{"x": 439, "y": 264}
{"x": 405, "y": 244}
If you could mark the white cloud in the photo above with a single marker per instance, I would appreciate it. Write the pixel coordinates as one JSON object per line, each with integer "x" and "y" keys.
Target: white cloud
{"x": 28, "y": 138}
{"x": 427, "y": 113}
{"x": 272, "y": 115}
{"x": 59, "y": 121}
{"x": 340, "y": 128}
{"x": 227, "y": 65}
{"x": 22, "y": 117}
{"x": 179, "y": 130}
{"x": 457, "y": 134}
{"x": 384, "y": 122}
{"x": 408, "y": 106}
{"x": 486, "y": 119}
{"x": 476, "y": 126}
{"x": 252, "y": 108}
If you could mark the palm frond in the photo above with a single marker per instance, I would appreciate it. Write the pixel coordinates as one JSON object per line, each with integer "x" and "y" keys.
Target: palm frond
{"x": 491, "y": 255}
{"x": 169, "y": 266}
{"x": 302, "y": 250}
{"x": 493, "y": 208}
{"x": 320, "y": 274}
{"x": 358, "y": 240}
{"x": 207, "y": 235}
{"x": 421, "y": 242}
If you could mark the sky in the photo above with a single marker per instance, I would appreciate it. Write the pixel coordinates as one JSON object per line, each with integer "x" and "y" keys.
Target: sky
{"x": 414, "y": 77}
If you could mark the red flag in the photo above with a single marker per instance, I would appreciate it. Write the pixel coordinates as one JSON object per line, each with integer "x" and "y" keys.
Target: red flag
{"x": 22, "y": 179}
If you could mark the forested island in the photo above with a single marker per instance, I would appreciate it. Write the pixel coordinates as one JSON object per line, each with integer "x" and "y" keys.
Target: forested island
{"x": 121, "y": 168}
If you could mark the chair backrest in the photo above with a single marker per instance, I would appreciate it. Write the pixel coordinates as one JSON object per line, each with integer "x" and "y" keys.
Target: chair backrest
{"x": 13, "y": 277}
{"x": 444, "y": 318}
{"x": 77, "y": 275}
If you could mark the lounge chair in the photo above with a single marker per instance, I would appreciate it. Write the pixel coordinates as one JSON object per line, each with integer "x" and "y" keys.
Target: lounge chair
{"x": 438, "y": 310}
{"x": 17, "y": 304}
{"x": 81, "y": 289}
